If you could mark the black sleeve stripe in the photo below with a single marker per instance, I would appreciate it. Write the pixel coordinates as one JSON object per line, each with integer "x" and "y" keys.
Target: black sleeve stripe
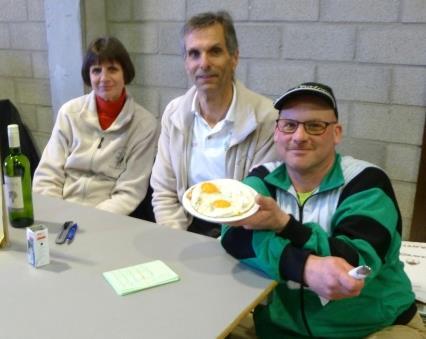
{"x": 237, "y": 242}
{"x": 296, "y": 232}
{"x": 369, "y": 178}
{"x": 368, "y": 229}
{"x": 292, "y": 263}
{"x": 339, "y": 248}
{"x": 261, "y": 172}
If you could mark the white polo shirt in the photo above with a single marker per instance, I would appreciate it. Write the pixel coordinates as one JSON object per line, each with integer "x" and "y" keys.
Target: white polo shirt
{"x": 209, "y": 144}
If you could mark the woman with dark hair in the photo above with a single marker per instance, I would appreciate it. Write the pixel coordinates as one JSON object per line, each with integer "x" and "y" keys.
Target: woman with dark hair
{"x": 103, "y": 143}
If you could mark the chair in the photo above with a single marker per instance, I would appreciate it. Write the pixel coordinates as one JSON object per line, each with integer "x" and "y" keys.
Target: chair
{"x": 144, "y": 210}
{"x": 10, "y": 115}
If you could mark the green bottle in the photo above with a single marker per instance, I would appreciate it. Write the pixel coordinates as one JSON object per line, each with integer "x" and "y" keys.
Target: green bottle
{"x": 17, "y": 179}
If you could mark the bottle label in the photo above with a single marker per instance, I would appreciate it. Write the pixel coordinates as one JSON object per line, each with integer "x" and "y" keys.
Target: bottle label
{"x": 14, "y": 196}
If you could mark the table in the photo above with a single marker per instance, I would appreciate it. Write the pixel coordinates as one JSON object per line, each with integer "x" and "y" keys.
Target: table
{"x": 69, "y": 298}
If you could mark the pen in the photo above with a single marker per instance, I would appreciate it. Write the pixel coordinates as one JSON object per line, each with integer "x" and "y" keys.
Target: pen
{"x": 62, "y": 236}
{"x": 71, "y": 233}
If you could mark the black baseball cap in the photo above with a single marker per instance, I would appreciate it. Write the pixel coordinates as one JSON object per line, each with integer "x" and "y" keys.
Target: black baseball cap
{"x": 312, "y": 88}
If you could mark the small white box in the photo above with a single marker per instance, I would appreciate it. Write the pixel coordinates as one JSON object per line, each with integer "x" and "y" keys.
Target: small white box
{"x": 38, "y": 245}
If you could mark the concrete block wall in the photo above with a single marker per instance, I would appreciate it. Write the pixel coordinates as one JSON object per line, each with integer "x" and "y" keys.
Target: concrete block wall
{"x": 24, "y": 75}
{"x": 372, "y": 52}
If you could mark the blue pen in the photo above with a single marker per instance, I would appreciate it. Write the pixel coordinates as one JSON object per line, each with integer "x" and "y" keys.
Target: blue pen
{"x": 71, "y": 233}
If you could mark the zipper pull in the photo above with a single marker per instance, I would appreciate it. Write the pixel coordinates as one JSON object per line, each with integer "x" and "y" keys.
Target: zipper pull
{"x": 100, "y": 143}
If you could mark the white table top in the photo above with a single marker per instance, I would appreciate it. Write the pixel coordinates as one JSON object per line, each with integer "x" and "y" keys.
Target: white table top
{"x": 69, "y": 298}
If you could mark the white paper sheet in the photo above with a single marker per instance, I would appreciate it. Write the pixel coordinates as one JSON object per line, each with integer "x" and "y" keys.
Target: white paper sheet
{"x": 413, "y": 255}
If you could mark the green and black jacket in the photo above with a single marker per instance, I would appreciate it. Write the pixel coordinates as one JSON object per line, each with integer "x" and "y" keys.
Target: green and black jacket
{"x": 354, "y": 215}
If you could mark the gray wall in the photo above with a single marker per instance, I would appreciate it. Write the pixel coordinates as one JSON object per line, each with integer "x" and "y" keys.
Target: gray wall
{"x": 372, "y": 52}
{"x": 24, "y": 74}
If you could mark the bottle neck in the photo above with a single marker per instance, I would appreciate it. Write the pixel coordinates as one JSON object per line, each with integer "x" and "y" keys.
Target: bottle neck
{"x": 15, "y": 150}
{"x": 13, "y": 138}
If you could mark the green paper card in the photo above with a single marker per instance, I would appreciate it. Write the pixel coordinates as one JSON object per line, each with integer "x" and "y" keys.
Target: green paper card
{"x": 139, "y": 277}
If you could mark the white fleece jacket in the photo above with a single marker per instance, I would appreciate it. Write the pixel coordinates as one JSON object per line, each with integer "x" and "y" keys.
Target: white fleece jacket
{"x": 251, "y": 144}
{"x": 108, "y": 169}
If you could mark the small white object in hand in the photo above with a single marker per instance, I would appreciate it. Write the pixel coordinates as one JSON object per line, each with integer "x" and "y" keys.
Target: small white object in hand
{"x": 360, "y": 272}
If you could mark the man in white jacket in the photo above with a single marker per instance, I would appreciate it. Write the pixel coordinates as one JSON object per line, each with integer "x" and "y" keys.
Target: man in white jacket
{"x": 217, "y": 129}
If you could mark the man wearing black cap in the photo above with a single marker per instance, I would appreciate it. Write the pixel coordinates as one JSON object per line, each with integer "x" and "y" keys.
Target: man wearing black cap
{"x": 321, "y": 216}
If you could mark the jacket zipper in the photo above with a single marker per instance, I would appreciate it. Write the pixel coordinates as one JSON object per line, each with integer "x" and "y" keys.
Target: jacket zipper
{"x": 302, "y": 206}
{"x": 91, "y": 163}
{"x": 301, "y": 290}
{"x": 100, "y": 142}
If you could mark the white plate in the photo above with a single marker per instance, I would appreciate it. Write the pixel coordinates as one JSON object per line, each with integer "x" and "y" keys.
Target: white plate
{"x": 188, "y": 206}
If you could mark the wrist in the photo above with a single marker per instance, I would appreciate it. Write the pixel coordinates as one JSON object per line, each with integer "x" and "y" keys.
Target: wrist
{"x": 283, "y": 221}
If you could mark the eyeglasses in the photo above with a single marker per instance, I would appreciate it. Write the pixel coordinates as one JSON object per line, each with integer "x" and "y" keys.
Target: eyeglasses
{"x": 313, "y": 127}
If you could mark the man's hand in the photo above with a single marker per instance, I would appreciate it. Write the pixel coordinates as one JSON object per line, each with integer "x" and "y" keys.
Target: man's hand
{"x": 329, "y": 278}
{"x": 268, "y": 217}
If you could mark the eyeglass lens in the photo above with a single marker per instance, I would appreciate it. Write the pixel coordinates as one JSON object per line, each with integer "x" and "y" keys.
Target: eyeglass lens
{"x": 314, "y": 127}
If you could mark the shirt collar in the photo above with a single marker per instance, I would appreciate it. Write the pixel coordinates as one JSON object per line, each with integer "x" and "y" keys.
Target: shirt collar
{"x": 230, "y": 114}
{"x": 333, "y": 179}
